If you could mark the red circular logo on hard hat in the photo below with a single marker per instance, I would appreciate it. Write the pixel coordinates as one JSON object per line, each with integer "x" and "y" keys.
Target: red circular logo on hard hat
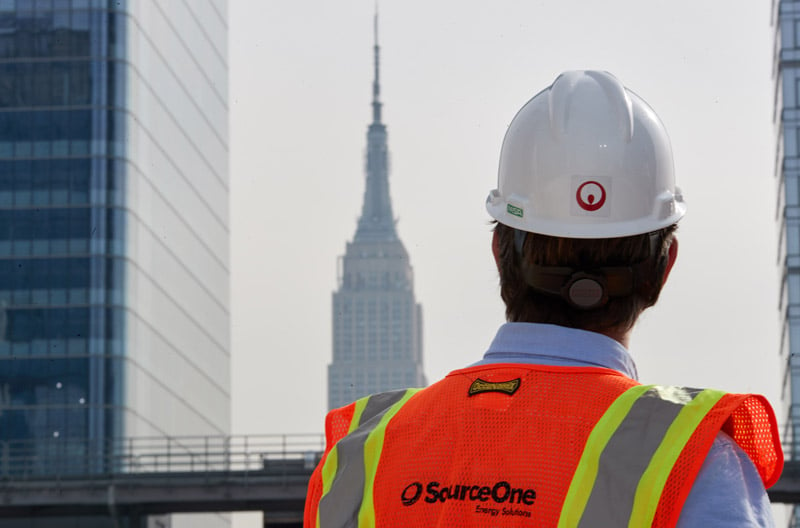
{"x": 591, "y": 196}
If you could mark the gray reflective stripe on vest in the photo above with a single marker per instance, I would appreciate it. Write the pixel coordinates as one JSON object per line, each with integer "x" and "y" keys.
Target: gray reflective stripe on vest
{"x": 339, "y": 507}
{"x": 628, "y": 453}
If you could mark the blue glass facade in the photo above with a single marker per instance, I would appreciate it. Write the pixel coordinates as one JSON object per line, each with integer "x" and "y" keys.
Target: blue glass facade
{"x": 786, "y": 68}
{"x": 114, "y": 265}
{"x": 62, "y": 228}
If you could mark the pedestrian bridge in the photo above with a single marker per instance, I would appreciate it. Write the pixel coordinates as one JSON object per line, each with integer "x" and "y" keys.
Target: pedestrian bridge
{"x": 137, "y": 478}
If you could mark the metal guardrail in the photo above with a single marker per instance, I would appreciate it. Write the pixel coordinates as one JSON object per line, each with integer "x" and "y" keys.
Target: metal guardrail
{"x": 64, "y": 457}
{"x": 250, "y": 464}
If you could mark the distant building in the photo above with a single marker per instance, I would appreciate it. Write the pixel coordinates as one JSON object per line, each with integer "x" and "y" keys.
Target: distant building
{"x": 786, "y": 69}
{"x": 377, "y": 323}
{"x": 114, "y": 318}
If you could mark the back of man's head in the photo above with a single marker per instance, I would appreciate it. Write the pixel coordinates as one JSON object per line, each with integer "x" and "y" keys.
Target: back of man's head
{"x": 586, "y": 205}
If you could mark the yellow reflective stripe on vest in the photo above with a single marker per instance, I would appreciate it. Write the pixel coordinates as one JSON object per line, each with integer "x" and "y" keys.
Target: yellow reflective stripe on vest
{"x": 626, "y": 462}
{"x": 329, "y": 472}
{"x": 332, "y": 460}
{"x": 355, "y": 421}
{"x": 586, "y": 472}
{"x": 349, "y": 467}
{"x": 372, "y": 456}
{"x": 655, "y": 477}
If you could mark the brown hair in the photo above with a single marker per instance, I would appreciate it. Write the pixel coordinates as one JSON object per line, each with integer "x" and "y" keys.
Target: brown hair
{"x": 525, "y": 304}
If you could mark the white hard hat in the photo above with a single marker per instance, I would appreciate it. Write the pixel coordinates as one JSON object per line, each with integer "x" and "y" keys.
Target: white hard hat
{"x": 586, "y": 158}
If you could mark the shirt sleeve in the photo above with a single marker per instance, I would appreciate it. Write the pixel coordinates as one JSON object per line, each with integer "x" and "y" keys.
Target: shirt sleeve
{"x": 728, "y": 491}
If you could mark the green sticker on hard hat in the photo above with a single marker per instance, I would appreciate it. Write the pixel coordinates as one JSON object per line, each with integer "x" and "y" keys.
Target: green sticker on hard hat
{"x": 514, "y": 210}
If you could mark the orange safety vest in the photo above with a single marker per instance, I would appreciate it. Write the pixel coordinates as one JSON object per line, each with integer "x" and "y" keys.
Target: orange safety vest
{"x": 528, "y": 445}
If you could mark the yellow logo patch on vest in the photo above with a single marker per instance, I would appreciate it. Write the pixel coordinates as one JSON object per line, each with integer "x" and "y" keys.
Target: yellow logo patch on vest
{"x": 507, "y": 387}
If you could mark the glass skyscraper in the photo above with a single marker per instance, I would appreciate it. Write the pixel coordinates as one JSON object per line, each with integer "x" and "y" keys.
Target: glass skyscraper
{"x": 377, "y": 323}
{"x": 786, "y": 68}
{"x": 114, "y": 264}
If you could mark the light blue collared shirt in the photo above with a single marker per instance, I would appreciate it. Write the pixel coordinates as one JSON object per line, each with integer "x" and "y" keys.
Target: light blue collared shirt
{"x": 728, "y": 492}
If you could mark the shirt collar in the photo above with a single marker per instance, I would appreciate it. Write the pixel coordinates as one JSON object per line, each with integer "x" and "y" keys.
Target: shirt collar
{"x": 545, "y": 344}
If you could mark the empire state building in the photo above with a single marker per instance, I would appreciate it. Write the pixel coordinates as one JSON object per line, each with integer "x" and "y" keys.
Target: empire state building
{"x": 377, "y": 323}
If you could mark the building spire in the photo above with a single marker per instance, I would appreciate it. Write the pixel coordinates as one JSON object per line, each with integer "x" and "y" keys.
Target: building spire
{"x": 376, "y": 86}
{"x": 376, "y": 221}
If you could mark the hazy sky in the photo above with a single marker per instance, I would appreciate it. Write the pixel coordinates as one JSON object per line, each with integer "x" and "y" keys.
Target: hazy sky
{"x": 453, "y": 75}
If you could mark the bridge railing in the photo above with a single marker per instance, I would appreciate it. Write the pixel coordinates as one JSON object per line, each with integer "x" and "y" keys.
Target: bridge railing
{"x": 284, "y": 454}
{"x": 64, "y": 457}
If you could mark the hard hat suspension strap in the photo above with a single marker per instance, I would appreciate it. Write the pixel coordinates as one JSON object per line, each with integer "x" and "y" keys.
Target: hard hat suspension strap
{"x": 586, "y": 289}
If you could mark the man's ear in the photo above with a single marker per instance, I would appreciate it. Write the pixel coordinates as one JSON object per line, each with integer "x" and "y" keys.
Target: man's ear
{"x": 496, "y": 249}
{"x": 672, "y": 254}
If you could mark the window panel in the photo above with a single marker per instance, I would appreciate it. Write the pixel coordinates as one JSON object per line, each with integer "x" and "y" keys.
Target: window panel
{"x": 43, "y": 274}
{"x": 61, "y": 15}
{"x": 22, "y": 224}
{"x": 80, "y": 23}
{"x": 51, "y": 83}
{"x": 79, "y": 182}
{"x": 27, "y": 324}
